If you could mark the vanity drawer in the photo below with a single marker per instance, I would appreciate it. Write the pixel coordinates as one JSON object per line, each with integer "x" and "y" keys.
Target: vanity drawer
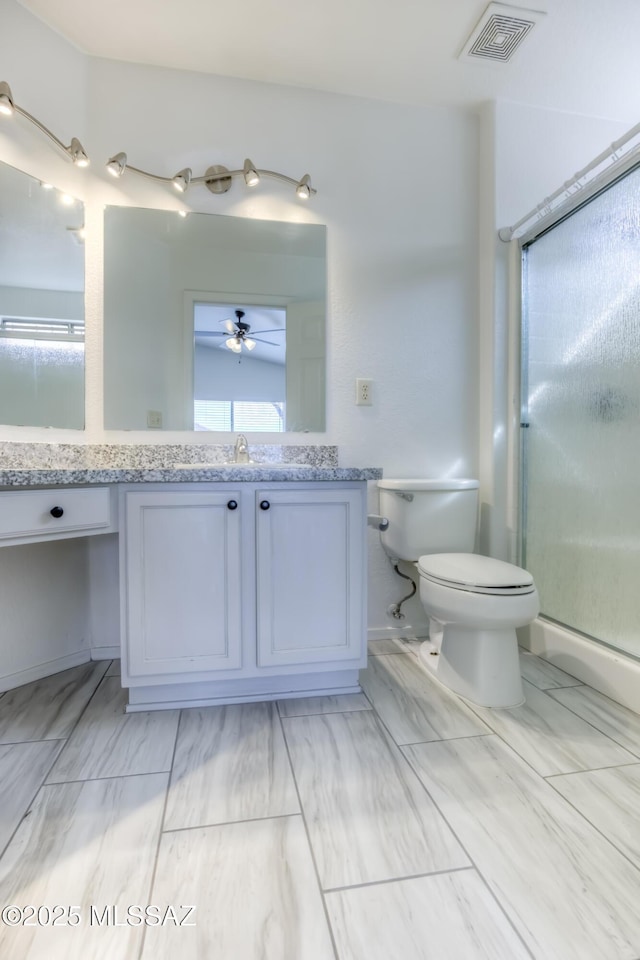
{"x": 28, "y": 515}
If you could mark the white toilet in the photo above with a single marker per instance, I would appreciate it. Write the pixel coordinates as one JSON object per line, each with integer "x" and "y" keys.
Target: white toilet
{"x": 474, "y": 603}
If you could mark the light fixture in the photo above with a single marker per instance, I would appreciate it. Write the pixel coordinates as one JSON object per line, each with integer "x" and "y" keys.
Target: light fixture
{"x": 234, "y": 344}
{"x": 251, "y": 175}
{"x": 75, "y": 151}
{"x": 303, "y": 188}
{"x": 6, "y": 99}
{"x": 249, "y": 343}
{"x": 217, "y": 179}
{"x": 182, "y": 180}
{"x": 117, "y": 165}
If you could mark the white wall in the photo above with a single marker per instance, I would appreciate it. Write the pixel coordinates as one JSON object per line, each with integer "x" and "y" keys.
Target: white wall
{"x": 225, "y": 376}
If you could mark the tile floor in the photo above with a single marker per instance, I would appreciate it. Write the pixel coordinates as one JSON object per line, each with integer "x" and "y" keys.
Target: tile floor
{"x": 396, "y": 823}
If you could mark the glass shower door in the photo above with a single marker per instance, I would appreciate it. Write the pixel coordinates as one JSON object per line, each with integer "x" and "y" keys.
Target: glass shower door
{"x": 581, "y": 417}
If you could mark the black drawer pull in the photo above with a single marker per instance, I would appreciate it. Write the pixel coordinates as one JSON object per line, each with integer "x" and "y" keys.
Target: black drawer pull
{"x": 232, "y": 505}
{"x": 56, "y": 512}
{"x": 264, "y": 504}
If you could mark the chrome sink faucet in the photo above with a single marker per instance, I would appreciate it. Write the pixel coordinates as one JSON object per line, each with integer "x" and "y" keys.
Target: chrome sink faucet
{"x": 242, "y": 449}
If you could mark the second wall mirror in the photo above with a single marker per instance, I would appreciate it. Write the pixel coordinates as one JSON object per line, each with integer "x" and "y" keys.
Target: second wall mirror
{"x": 213, "y": 322}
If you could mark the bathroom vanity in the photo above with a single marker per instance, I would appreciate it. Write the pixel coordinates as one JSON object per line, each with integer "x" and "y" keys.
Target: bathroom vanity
{"x": 236, "y": 582}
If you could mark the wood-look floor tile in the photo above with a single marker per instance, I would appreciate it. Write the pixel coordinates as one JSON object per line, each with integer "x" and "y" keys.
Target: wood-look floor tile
{"x": 230, "y": 764}
{"x": 342, "y": 703}
{"x": 551, "y": 738}
{"x": 23, "y": 768}
{"x": 616, "y": 721}
{"x": 451, "y": 915}
{"x": 254, "y": 889}
{"x": 111, "y": 743}
{"x": 48, "y": 709}
{"x": 567, "y": 890}
{"x": 368, "y": 817}
{"x": 610, "y": 800}
{"x": 83, "y": 844}
{"x": 414, "y": 706}
{"x": 114, "y": 669}
{"x": 543, "y": 674}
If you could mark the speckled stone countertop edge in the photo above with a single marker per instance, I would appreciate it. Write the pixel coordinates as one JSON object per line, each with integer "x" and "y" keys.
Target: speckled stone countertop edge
{"x": 57, "y": 477}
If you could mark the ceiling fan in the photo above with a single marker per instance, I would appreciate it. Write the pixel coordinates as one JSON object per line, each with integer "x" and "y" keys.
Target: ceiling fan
{"x": 237, "y": 332}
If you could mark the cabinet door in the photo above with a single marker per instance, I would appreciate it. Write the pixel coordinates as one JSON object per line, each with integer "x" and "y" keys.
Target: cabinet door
{"x": 310, "y": 576}
{"x": 182, "y": 582}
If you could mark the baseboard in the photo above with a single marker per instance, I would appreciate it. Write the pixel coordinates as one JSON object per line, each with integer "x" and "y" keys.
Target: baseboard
{"x": 602, "y": 668}
{"x": 105, "y": 653}
{"x": 407, "y": 632}
{"x": 41, "y": 670}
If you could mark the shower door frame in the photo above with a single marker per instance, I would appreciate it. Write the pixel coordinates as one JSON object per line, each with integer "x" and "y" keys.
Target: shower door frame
{"x": 518, "y": 381}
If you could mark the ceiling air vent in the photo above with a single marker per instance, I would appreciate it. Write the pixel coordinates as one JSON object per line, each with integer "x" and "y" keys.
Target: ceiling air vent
{"x": 499, "y": 33}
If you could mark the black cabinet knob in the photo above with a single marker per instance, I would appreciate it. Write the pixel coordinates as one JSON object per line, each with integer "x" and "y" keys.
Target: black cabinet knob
{"x": 264, "y": 504}
{"x": 56, "y": 512}
{"x": 232, "y": 505}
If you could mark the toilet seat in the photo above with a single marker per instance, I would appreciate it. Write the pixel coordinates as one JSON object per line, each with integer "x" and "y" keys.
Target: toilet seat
{"x": 475, "y": 574}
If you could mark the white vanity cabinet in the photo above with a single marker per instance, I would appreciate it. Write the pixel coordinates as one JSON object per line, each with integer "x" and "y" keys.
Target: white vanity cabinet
{"x": 241, "y": 591}
{"x": 183, "y": 607}
{"x": 309, "y": 564}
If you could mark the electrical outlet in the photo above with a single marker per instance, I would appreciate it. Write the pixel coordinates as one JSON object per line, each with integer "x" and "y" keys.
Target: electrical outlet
{"x": 154, "y": 419}
{"x": 364, "y": 393}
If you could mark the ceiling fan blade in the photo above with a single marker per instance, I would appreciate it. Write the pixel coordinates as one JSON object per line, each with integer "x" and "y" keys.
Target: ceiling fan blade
{"x": 271, "y": 343}
{"x": 229, "y": 325}
{"x": 209, "y": 333}
{"x": 273, "y": 330}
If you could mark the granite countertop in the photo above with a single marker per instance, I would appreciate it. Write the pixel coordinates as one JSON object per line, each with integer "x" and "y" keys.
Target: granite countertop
{"x": 71, "y": 476}
{"x": 48, "y": 465}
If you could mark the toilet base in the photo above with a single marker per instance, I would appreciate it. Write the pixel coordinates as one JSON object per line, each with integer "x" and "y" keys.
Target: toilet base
{"x": 482, "y": 666}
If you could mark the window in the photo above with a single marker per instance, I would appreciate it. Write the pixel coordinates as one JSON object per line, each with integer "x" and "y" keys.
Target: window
{"x": 238, "y": 415}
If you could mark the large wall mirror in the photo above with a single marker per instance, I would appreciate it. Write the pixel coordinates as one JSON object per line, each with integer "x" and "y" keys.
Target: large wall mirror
{"x": 213, "y": 322}
{"x": 41, "y": 304}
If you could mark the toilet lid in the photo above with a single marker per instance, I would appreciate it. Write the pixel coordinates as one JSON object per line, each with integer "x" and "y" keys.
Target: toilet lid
{"x": 468, "y": 571}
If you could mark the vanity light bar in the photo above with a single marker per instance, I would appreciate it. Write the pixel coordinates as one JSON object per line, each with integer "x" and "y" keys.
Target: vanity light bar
{"x": 75, "y": 151}
{"x": 217, "y": 179}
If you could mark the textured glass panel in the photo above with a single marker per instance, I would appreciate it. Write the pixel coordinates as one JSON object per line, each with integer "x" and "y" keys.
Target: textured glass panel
{"x": 42, "y": 383}
{"x": 581, "y": 300}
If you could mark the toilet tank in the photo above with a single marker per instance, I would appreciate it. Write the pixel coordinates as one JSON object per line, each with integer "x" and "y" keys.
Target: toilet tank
{"x": 428, "y": 516}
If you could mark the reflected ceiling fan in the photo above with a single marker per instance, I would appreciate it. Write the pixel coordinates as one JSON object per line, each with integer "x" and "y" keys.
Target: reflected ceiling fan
{"x": 237, "y": 332}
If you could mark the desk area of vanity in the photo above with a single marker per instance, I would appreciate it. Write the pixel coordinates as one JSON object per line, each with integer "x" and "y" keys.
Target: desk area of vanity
{"x": 236, "y": 581}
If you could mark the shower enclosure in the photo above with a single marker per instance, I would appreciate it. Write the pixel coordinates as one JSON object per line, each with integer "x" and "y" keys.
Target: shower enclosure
{"x": 580, "y": 429}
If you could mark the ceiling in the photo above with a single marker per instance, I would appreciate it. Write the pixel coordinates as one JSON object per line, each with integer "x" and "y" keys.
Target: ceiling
{"x": 581, "y": 58}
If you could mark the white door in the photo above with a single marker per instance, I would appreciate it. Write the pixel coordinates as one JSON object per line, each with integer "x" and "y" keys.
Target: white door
{"x": 305, "y": 407}
{"x": 310, "y": 576}
{"x": 182, "y": 581}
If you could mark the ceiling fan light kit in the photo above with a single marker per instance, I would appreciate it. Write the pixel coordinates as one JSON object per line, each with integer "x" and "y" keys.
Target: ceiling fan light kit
{"x": 237, "y": 334}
